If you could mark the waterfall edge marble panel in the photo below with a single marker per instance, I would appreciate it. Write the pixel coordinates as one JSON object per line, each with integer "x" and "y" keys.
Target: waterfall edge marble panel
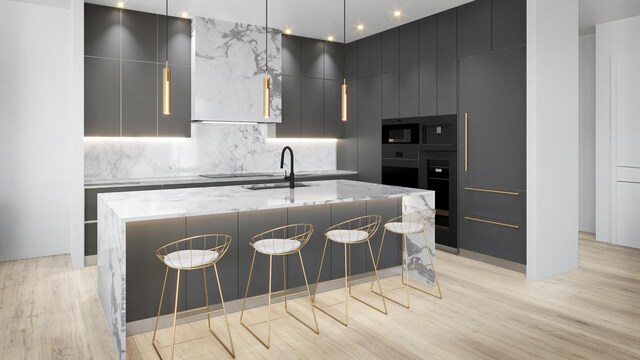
{"x": 228, "y": 66}
{"x": 212, "y": 149}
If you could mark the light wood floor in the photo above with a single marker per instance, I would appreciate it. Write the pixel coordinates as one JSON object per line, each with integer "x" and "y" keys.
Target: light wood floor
{"x": 49, "y": 311}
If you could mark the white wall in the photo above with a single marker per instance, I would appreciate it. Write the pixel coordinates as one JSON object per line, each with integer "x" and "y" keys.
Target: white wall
{"x": 613, "y": 40}
{"x": 552, "y": 137}
{"x": 587, "y": 138}
{"x": 41, "y": 175}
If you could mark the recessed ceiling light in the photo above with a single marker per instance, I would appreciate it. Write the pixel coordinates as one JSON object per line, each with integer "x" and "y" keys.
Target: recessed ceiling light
{"x": 288, "y": 31}
{"x": 120, "y": 4}
{"x": 185, "y": 15}
{"x": 397, "y": 13}
{"x": 360, "y": 27}
{"x": 330, "y": 38}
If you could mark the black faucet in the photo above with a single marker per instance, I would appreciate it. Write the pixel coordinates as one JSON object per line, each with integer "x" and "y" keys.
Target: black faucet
{"x": 292, "y": 176}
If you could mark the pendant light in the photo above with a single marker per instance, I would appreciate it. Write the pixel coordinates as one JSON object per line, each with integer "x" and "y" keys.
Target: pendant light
{"x": 166, "y": 72}
{"x": 344, "y": 83}
{"x": 266, "y": 82}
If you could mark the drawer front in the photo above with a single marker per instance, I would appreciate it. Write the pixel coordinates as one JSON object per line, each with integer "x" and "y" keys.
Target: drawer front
{"x": 494, "y": 238}
{"x": 390, "y": 151}
{"x": 489, "y": 203}
{"x": 91, "y": 198}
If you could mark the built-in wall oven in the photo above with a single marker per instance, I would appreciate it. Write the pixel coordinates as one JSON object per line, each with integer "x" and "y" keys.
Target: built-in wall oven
{"x": 400, "y": 142}
{"x": 438, "y": 172}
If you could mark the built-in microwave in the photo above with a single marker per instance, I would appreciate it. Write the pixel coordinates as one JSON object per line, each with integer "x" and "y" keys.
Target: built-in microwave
{"x": 401, "y": 133}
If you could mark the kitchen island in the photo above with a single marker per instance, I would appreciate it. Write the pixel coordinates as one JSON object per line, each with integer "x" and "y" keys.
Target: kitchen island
{"x": 132, "y": 225}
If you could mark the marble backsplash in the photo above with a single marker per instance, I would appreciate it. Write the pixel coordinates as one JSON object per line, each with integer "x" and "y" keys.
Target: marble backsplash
{"x": 212, "y": 149}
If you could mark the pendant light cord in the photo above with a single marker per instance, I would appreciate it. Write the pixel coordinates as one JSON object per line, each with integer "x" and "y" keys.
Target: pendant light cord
{"x": 266, "y": 37}
{"x": 344, "y": 34}
{"x": 166, "y": 28}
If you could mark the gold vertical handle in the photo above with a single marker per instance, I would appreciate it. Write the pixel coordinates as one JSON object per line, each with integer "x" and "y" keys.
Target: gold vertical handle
{"x": 466, "y": 142}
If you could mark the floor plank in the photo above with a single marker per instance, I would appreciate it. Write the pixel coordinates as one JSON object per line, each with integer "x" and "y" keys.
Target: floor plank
{"x": 49, "y": 311}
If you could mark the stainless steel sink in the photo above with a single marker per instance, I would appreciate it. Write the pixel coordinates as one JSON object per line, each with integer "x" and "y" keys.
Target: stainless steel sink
{"x": 237, "y": 175}
{"x": 273, "y": 186}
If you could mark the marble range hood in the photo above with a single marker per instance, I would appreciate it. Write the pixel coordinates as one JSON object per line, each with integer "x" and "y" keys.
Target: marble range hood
{"x": 228, "y": 65}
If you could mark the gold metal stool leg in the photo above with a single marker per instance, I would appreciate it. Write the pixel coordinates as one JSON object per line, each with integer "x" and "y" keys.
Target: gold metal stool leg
{"x": 377, "y": 278}
{"x": 155, "y": 329}
{"x": 231, "y": 351}
{"x": 206, "y": 296}
{"x": 304, "y": 274}
{"x": 246, "y": 294}
{"x": 315, "y": 292}
{"x": 175, "y": 314}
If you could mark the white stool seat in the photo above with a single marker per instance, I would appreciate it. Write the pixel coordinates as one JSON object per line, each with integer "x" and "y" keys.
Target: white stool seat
{"x": 347, "y": 236}
{"x": 186, "y": 259}
{"x": 276, "y": 246}
{"x": 404, "y": 227}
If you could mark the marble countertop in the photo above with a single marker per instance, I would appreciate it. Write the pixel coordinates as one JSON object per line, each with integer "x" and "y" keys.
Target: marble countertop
{"x": 219, "y": 178}
{"x": 163, "y": 204}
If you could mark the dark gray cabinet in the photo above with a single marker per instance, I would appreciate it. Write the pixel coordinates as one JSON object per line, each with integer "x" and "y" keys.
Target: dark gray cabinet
{"x": 474, "y": 27}
{"x": 390, "y": 92}
{"x": 227, "y": 266}
{"x": 369, "y": 129}
{"x": 509, "y": 25}
{"x": 408, "y": 80}
{"x": 101, "y": 97}
{"x": 145, "y": 273}
{"x": 290, "y": 126}
{"x": 333, "y": 61}
{"x": 124, "y": 53}
{"x": 313, "y": 73}
{"x": 333, "y": 124}
{"x": 311, "y": 107}
{"x": 428, "y": 90}
{"x": 409, "y": 53}
{"x": 139, "y": 36}
{"x": 352, "y": 60}
{"x": 178, "y": 124}
{"x": 428, "y": 40}
{"x": 493, "y": 94}
{"x": 139, "y": 99}
{"x": 311, "y": 58}
{"x": 369, "y": 56}
{"x": 102, "y": 31}
{"x": 179, "y": 41}
{"x": 447, "y": 87}
{"x": 493, "y": 99}
{"x": 389, "y": 43}
{"x": 290, "y": 55}
{"x": 448, "y": 35}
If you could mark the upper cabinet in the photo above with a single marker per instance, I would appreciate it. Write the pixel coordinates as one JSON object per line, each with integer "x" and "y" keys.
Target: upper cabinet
{"x": 509, "y": 27}
{"x": 428, "y": 40}
{"x": 311, "y": 86}
{"x": 125, "y": 52}
{"x": 448, "y": 35}
{"x": 474, "y": 28}
{"x": 409, "y": 35}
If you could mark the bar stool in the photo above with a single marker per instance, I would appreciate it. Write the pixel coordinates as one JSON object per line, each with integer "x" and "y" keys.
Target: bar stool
{"x": 352, "y": 232}
{"x": 282, "y": 241}
{"x": 194, "y": 253}
{"x": 416, "y": 222}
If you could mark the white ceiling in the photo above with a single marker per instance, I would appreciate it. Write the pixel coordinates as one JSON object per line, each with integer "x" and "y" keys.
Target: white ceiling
{"x": 594, "y": 12}
{"x": 310, "y": 18}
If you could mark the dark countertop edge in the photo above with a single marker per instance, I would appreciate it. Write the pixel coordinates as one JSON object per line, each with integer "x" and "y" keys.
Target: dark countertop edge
{"x": 195, "y": 179}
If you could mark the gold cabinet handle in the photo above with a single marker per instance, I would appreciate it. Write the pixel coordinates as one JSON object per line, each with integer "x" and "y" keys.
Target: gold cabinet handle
{"x": 485, "y": 221}
{"x": 466, "y": 142}
{"x": 492, "y": 191}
